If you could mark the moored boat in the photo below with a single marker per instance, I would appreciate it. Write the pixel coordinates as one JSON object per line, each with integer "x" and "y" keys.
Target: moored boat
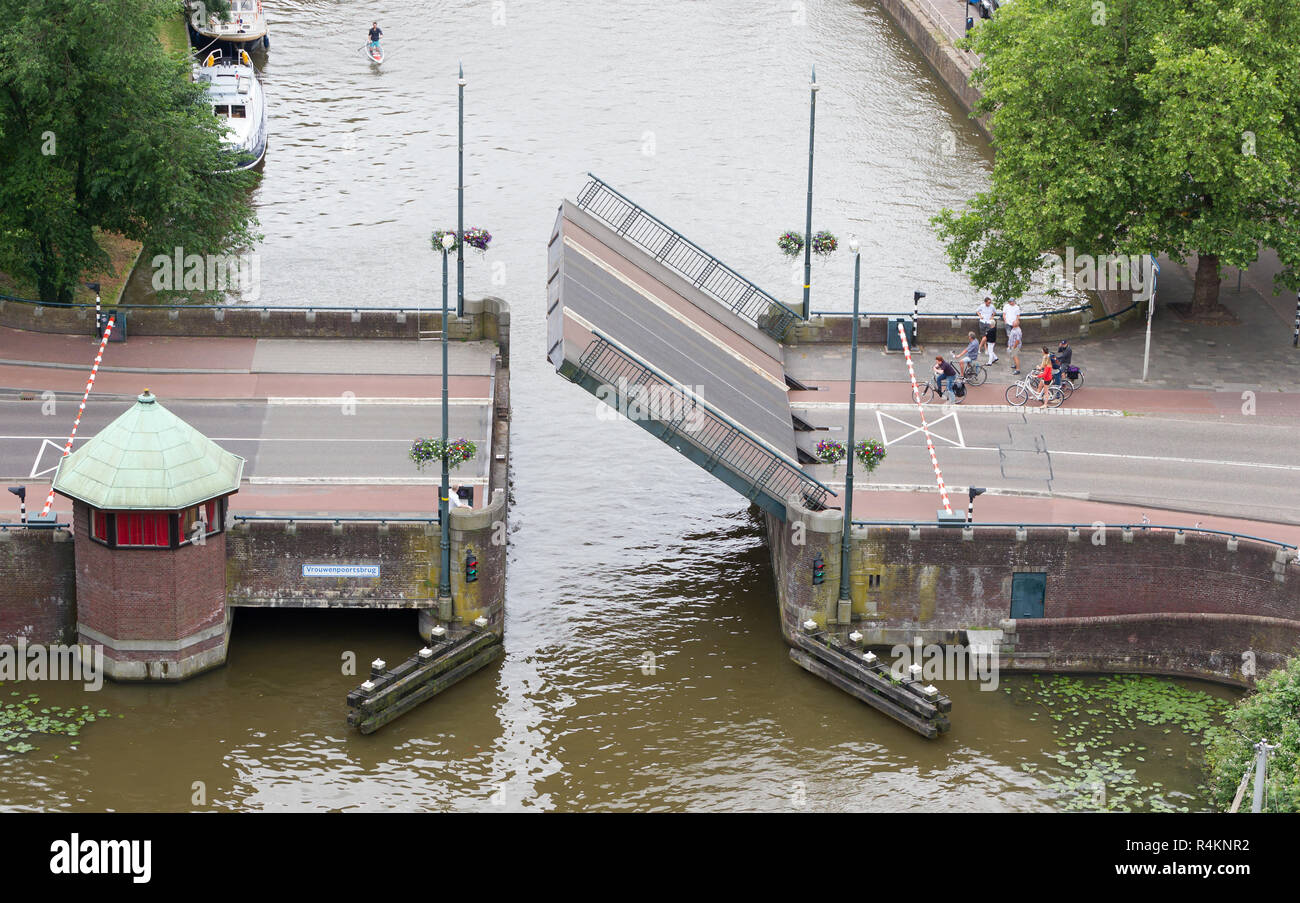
{"x": 245, "y": 24}
{"x": 238, "y": 101}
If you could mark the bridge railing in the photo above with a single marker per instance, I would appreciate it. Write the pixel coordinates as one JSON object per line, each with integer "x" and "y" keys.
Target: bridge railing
{"x": 327, "y": 519}
{"x": 686, "y": 258}
{"x": 681, "y": 414}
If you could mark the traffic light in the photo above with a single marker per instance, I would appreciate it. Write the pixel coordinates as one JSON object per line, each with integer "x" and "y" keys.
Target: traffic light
{"x": 471, "y": 566}
{"x": 819, "y": 571}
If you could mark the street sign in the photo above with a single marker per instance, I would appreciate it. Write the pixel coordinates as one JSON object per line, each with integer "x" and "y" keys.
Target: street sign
{"x": 340, "y": 570}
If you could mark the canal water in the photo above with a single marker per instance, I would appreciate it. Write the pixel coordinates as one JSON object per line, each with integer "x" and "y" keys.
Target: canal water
{"x": 645, "y": 667}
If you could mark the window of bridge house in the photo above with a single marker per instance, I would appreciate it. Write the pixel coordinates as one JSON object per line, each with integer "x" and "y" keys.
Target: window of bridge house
{"x": 99, "y": 526}
{"x": 209, "y": 512}
{"x": 146, "y": 529}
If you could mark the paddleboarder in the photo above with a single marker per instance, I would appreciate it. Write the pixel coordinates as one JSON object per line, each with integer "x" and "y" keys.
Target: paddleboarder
{"x": 375, "y": 32}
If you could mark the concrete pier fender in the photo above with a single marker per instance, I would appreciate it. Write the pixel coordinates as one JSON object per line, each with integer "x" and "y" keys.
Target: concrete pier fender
{"x": 389, "y": 693}
{"x": 909, "y": 702}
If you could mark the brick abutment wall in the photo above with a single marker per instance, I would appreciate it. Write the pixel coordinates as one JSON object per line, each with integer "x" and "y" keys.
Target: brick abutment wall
{"x": 38, "y": 587}
{"x": 1198, "y": 606}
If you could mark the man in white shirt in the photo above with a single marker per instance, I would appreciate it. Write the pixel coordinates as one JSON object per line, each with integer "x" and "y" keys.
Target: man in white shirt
{"x": 1011, "y": 317}
{"x": 988, "y": 315}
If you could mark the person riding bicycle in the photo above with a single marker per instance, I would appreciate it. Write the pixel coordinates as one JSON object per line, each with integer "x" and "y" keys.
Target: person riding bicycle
{"x": 970, "y": 354}
{"x": 375, "y": 32}
{"x": 1047, "y": 374}
{"x": 944, "y": 371}
{"x": 1065, "y": 355}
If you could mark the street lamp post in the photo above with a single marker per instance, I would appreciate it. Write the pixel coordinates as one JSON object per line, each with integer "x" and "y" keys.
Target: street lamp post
{"x": 444, "y": 569}
{"x": 853, "y": 403}
{"x": 460, "y": 199}
{"x": 807, "y": 236}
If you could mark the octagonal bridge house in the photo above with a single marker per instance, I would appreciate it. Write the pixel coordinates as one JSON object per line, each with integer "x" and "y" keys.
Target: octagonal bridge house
{"x": 149, "y": 496}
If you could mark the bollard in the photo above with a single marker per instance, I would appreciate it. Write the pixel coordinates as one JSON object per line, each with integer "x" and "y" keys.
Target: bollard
{"x": 1180, "y": 538}
{"x": 869, "y": 658}
{"x": 438, "y": 633}
{"x": 480, "y": 622}
{"x": 1126, "y": 534}
{"x": 914, "y": 671}
{"x": 1021, "y": 534}
{"x": 1232, "y": 543}
{"x": 855, "y": 638}
{"x": 809, "y": 625}
{"x": 967, "y": 533}
{"x": 1073, "y": 535}
{"x": 377, "y": 668}
{"x": 425, "y": 654}
{"x": 914, "y": 533}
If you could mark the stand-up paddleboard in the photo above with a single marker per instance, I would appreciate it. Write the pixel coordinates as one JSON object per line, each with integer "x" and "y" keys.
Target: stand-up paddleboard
{"x": 375, "y": 52}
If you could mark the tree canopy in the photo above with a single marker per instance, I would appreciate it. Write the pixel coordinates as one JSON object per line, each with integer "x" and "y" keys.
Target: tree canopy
{"x": 1130, "y": 127}
{"x": 100, "y": 128}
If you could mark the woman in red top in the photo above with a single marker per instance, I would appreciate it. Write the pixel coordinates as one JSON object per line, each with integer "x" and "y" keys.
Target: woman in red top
{"x": 1045, "y": 375}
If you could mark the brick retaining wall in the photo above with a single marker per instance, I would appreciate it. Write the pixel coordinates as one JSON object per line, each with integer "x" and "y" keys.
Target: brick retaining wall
{"x": 38, "y": 587}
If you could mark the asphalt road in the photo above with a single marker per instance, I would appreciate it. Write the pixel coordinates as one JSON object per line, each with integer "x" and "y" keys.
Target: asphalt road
{"x": 1238, "y": 467}
{"x": 280, "y": 442}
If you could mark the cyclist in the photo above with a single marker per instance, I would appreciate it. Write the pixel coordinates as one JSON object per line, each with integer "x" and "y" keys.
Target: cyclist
{"x": 970, "y": 354}
{"x": 1048, "y": 374}
{"x": 1065, "y": 356}
{"x": 944, "y": 371}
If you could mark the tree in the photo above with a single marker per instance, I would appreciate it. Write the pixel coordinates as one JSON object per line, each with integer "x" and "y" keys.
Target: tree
{"x": 101, "y": 129}
{"x": 1270, "y": 713}
{"x": 1131, "y": 127}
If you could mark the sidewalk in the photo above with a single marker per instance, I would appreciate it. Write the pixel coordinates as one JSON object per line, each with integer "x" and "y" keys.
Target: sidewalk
{"x": 1194, "y": 368}
{"x": 244, "y": 369}
{"x": 887, "y": 505}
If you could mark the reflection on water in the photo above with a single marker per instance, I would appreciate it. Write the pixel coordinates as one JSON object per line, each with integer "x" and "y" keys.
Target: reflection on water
{"x": 619, "y": 549}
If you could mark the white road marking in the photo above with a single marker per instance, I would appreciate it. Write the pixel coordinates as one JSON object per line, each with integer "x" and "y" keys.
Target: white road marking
{"x": 40, "y": 452}
{"x": 342, "y": 400}
{"x": 880, "y": 422}
{"x": 363, "y": 481}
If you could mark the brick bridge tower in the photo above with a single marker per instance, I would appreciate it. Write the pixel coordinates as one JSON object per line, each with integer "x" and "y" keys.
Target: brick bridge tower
{"x": 149, "y": 498}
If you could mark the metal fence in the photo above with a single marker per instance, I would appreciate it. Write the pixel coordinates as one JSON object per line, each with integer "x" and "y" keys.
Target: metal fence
{"x": 680, "y": 414}
{"x": 326, "y": 519}
{"x": 687, "y": 259}
{"x": 942, "y": 21}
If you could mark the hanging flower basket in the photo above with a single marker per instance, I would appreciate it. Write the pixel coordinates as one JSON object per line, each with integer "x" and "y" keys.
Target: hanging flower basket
{"x": 430, "y": 451}
{"x": 790, "y": 243}
{"x": 824, "y": 244}
{"x": 437, "y": 240}
{"x": 478, "y": 238}
{"x": 870, "y": 453}
{"x": 830, "y": 452}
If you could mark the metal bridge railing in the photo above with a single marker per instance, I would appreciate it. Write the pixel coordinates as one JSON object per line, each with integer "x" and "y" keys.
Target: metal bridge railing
{"x": 681, "y": 414}
{"x": 686, "y": 258}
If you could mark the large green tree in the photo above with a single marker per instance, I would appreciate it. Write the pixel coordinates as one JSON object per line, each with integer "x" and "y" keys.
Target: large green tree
{"x": 100, "y": 128}
{"x": 1132, "y": 127}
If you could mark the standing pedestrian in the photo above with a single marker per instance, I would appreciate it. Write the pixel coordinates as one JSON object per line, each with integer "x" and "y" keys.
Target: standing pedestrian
{"x": 1011, "y": 317}
{"x": 988, "y": 316}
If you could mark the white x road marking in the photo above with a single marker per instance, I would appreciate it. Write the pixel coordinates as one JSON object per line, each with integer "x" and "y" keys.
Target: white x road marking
{"x": 959, "y": 442}
{"x": 40, "y": 453}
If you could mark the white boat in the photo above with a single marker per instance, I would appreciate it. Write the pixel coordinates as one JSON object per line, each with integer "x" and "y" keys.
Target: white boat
{"x": 237, "y": 100}
{"x": 245, "y": 24}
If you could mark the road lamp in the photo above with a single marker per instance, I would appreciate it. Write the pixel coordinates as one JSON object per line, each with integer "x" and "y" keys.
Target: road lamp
{"x": 444, "y": 569}
{"x": 460, "y": 195}
{"x": 853, "y": 403}
{"x": 807, "y": 235}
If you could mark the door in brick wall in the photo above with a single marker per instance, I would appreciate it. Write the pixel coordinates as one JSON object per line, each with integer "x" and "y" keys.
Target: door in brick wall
{"x": 1027, "y": 594}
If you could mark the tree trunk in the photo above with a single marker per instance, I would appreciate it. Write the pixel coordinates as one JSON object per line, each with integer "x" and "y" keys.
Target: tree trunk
{"x": 1205, "y": 295}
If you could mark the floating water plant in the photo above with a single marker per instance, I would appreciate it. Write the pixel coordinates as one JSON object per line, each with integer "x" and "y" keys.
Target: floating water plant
{"x": 1099, "y": 723}
{"x": 21, "y": 719}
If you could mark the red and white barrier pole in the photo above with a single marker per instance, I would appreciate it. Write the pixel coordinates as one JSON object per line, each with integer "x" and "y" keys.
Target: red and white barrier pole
{"x": 925, "y": 427}
{"x": 90, "y": 384}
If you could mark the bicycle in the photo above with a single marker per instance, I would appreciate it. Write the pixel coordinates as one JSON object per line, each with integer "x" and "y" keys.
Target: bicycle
{"x": 1073, "y": 375}
{"x": 973, "y": 372}
{"x": 1022, "y": 391}
{"x": 929, "y": 392}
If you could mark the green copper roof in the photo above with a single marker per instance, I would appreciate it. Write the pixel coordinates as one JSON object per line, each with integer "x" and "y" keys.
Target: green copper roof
{"x": 148, "y": 459}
